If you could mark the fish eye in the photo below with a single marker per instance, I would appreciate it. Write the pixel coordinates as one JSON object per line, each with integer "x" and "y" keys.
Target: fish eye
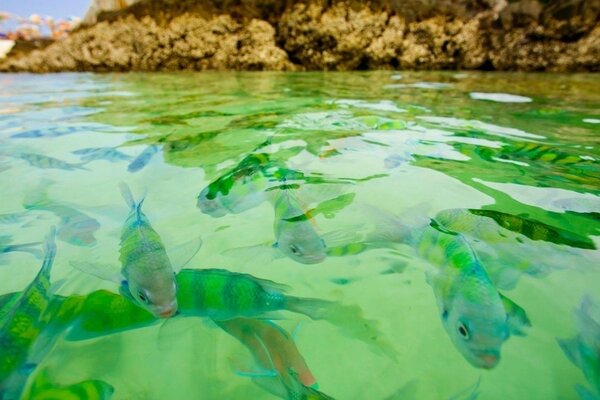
{"x": 142, "y": 297}
{"x": 294, "y": 249}
{"x": 464, "y": 331}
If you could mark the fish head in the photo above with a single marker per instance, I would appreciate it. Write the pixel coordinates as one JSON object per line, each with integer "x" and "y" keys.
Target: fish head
{"x": 300, "y": 242}
{"x": 158, "y": 295}
{"x": 209, "y": 204}
{"x": 478, "y": 327}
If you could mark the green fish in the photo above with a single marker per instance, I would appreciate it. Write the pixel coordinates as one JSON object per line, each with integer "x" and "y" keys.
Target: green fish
{"x": 23, "y": 319}
{"x": 148, "y": 276}
{"x": 239, "y": 190}
{"x": 477, "y": 318}
{"x": 220, "y": 295}
{"x": 46, "y": 162}
{"x": 583, "y": 350}
{"x": 295, "y": 234}
{"x": 43, "y": 389}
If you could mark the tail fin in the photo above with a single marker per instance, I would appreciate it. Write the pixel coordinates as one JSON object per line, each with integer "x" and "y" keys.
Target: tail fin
{"x": 49, "y": 251}
{"x": 31, "y": 248}
{"x": 128, "y": 197}
{"x": 312, "y": 308}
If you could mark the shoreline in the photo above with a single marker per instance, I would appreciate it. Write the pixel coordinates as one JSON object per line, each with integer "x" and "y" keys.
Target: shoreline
{"x": 159, "y": 35}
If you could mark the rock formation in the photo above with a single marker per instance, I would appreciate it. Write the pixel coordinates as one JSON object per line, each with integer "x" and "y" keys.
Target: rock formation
{"x": 528, "y": 35}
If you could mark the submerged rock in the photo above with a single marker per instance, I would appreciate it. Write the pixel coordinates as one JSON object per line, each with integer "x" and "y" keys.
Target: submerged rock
{"x": 151, "y": 35}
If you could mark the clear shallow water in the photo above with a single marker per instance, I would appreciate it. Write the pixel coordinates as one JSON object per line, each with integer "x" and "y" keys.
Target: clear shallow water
{"x": 393, "y": 150}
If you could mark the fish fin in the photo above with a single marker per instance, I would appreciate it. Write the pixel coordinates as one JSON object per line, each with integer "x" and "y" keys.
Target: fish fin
{"x": 30, "y": 248}
{"x": 516, "y": 317}
{"x": 349, "y": 319}
{"x": 387, "y": 226}
{"x": 408, "y": 390}
{"x": 342, "y": 237}
{"x": 571, "y": 349}
{"x": 181, "y": 255}
{"x": 313, "y": 308}
{"x": 128, "y": 196}
{"x": 49, "y": 252}
{"x": 588, "y": 315}
{"x": 259, "y": 254}
{"x": 584, "y": 393}
{"x": 272, "y": 385}
{"x": 470, "y": 393}
{"x": 99, "y": 270}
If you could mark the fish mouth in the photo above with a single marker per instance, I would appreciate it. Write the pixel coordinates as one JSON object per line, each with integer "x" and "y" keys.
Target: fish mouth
{"x": 167, "y": 312}
{"x": 487, "y": 359}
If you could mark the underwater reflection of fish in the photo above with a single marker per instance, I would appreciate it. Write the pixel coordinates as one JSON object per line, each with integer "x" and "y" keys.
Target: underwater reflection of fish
{"x": 509, "y": 245}
{"x": 102, "y": 153}
{"x": 22, "y": 322}
{"x": 280, "y": 368}
{"x": 74, "y": 228}
{"x": 143, "y": 158}
{"x": 239, "y": 190}
{"x": 6, "y": 247}
{"x": 46, "y": 162}
{"x": 43, "y": 389}
{"x": 583, "y": 350}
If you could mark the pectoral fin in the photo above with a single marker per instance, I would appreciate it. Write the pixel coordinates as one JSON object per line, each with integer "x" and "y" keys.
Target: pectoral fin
{"x": 106, "y": 272}
{"x": 516, "y": 317}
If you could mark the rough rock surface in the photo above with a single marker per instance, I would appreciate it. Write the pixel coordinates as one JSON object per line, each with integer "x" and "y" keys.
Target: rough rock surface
{"x": 529, "y": 35}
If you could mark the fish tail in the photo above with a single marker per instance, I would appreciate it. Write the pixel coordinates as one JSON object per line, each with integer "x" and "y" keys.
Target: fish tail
{"x": 31, "y": 248}
{"x": 312, "y": 308}
{"x": 49, "y": 251}
{"x": 128, "y": 196}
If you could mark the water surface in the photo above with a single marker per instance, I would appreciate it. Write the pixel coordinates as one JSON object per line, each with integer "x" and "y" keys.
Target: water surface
{"x": 518, "y": 152}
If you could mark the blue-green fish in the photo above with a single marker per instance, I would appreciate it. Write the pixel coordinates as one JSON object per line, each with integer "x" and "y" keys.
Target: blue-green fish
{"x": 477, "y": 318}
{"x": 584, "y": 349}
{"x": 23, "y": 321}
{"x": 143, "y": 158}
{"x": 102, "y": 153}
{"x": 75, "y": 227}
{"x": 46, "y": 162}
{"x": 147, "y": 272}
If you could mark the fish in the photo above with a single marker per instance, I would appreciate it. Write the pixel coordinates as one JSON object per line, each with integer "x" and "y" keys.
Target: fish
{"x": 12, "y": 218}
{"x": 583, "y": 349}
{"x": 102, "y": 153}
{"x": 295, "y": 234}
{"x": 239, "y": 190}
{"x": 143, "y": 158}
{"x": 477, "y": 318}
{"x": 505, "y": 244}
{"x": 43, "y": 389}
{"x": 23, "y": 323}
{"x": 148, "y": 276}
{"x": 48, "y": 132}
{"x": 6, "y": 247}
{"x": 284, "y": 370}
{"x": 75, "y": 227}
{"x": 46, "y": 162}
{"x": 221, "y": 295}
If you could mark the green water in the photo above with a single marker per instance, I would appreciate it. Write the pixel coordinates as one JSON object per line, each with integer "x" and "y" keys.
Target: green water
{"x": 391, "y": 148}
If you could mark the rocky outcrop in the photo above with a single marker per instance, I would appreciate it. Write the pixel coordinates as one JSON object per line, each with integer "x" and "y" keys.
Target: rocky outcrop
{"x": 529, "y": 35}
